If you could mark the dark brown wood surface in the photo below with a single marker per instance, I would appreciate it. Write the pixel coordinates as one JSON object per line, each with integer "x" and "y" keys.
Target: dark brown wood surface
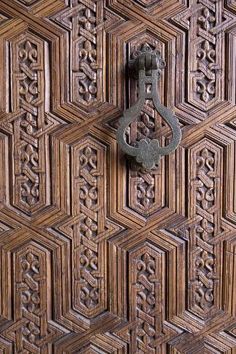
{"x": 98, "y": 255}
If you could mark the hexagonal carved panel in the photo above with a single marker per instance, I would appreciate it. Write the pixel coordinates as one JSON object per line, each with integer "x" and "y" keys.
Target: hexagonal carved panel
{"x": 98, "y": 255}
{"x": 206, "y": 24}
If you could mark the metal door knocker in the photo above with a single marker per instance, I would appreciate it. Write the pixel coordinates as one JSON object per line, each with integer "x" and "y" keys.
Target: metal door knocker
{"x": 146, "y": 66}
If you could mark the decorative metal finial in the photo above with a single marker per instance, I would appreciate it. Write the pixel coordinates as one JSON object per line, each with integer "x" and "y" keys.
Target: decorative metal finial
{"x": 146, "y": 65}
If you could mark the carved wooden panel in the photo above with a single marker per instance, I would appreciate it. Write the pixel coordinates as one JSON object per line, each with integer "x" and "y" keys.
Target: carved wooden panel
{"x": 31, "y": 330}
{"x": 29, "y": 166}
{"x": 83, "y": 20}
{"x": 207, "y": 24}
{"x": 98, "y": 255}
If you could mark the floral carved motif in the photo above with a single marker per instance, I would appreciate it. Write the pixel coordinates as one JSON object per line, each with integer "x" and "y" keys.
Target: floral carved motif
{"x": 144, "y": 183}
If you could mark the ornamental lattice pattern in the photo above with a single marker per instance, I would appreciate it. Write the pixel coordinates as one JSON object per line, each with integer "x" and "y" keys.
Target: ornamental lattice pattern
{"x": 206, "y": 21}
{"x": 91, "y": 279}
{"x": 205, "y": 188}
{"x": 30, "y": 123}
{"x": 146, "y": 294}
{"x": 29, "y": 148}
{"x": 91, "y": 227}
{"x": 148, "y": 330}
{"x": 96, "y": 254}
{"x": 31, "y": 332}
{"x": 84, "y": 20}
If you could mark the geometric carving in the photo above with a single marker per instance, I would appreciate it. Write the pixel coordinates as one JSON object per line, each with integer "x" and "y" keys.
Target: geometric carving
{"x": 146, "y": 291}
{"x": 3, "y": 228}
{"x": 29, "y": 148}
{"x": 149, "y": 329}
{"x": 144, "y": 197}
{"x": 232, "y": 331}
{"x": 32, "y": 330}
{"x": 228, "y": 129}
{"x": 89, "y": 227}
{"x": 3, "y": 19}
{"x": 205, "y": 195}
{"x": 231, "y": 4}
{"x": 104, "y": 344}
{"x": 90, "y": 281}
{"x": 29, "y": 123}
{"x": 210, "y": 277}
{"x": 97, "y": 255}
{"x": 146, "y": 3}
{"x": 85, "y": 22}
{"x": 205, "y": 21}
{"x": 27, "y": 2}
{"x": 5, "y": 347}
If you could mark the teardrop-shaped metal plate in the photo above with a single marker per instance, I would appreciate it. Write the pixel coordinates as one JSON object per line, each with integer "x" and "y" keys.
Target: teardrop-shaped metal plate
{"x": 146, "y": 151}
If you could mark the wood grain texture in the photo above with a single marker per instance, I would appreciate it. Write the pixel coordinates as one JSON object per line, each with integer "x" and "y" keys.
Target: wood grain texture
{"x": 98, "y": 255}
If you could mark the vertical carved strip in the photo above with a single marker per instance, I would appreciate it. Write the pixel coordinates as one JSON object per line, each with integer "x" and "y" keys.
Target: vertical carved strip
{"x": 207, "y": 50}
{"x": 146, "y": 294}
{"x": 206, "y": 21}
{"x": 84, "y": 19}
{"x": 87, "y": 36}
{"x": 29, "y": 144}
{"x": 205, "y": 177}
{"x": 30, "y": 273}
{"x": 31, "y": 332}
{"x": 90, "y": 248}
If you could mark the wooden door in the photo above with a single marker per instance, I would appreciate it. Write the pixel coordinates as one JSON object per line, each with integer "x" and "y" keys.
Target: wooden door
{"x": 98, "y": 255}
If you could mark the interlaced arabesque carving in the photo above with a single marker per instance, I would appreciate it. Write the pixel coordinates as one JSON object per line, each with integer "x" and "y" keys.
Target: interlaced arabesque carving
{"x": 204, "y": 251}
{"x": 98, "y": 255}
{"x": 88, "y": 228}
{"x": 27, "y": 128}
{"x": 84, "y": 19}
